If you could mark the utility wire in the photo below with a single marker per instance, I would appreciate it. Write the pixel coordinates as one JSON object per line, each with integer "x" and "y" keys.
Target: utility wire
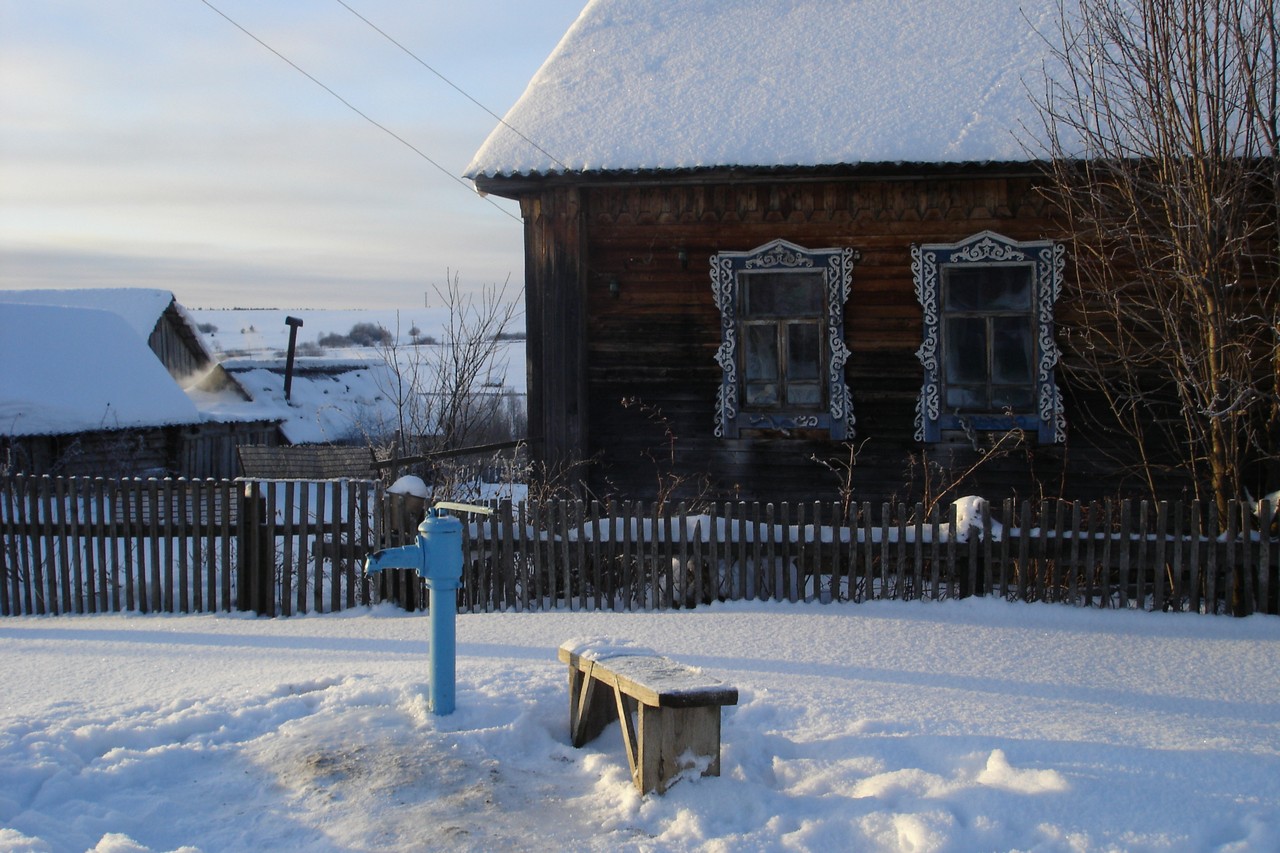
{"x": 453, "y": 85}
{"x": 358, "y": 111}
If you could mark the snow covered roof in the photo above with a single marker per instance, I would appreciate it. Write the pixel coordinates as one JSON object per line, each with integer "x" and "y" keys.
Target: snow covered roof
{"x": 330, "y": 400}
{"x": 69, "y": 370}
{"x": 140, "y": 307}
{"x": 705, "y": 83}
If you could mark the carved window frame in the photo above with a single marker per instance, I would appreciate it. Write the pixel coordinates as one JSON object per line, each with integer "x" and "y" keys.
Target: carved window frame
{"x": 836, "y": 265}
{"x": 1047, "y": 260}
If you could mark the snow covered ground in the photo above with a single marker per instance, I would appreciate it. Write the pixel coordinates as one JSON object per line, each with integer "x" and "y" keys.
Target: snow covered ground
{"x": 970, "y": 725}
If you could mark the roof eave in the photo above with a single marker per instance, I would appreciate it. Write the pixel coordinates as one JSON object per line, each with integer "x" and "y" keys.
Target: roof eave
{"x": 514, "y": 186}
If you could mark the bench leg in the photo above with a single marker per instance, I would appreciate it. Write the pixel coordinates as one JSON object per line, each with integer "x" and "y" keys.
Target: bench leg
{"x": 591, "y": 707}
{"x": 674, "y": 740}
{"x": 661, "y": 743}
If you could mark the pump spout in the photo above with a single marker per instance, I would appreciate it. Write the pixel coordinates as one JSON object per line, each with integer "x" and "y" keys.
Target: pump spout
{"x": 404, "y": 557}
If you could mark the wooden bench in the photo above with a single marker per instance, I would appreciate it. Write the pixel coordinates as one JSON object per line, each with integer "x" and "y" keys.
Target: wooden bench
{"x": 676, "y": 727}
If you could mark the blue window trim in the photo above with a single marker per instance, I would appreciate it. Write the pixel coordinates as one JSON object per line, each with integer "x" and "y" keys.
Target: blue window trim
{"x": 1048, "y": 260}
{"x": 837, "y": 267}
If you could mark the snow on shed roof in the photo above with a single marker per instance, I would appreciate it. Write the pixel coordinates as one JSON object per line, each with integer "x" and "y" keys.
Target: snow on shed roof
{"x": 140, "y": 307}
{"x": 69, "y": 370}
{"x": 705, "y": 83}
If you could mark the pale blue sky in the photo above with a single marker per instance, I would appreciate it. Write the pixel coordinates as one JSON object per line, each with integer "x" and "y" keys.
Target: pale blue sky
{"x": 150, "y": 143}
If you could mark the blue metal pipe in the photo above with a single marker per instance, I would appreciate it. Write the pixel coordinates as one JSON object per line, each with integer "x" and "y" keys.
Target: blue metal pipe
{"x": 437, "y": 557}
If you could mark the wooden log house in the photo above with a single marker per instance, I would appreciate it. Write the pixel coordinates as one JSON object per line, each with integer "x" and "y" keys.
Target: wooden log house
{"x": 760, "y": 239}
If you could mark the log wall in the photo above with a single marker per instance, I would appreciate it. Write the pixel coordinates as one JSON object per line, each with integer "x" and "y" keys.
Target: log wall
{"x": 623, "y": 271}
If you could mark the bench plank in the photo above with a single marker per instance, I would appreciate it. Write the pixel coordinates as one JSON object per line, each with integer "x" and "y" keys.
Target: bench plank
{"x": 655, "y": 680}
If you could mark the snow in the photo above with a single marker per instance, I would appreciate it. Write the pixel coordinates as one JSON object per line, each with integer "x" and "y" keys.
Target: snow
{"x": 77, "y": 370}
{"x": 410, "y": 484}
{"x": 329, "y": 401}
{"x": 962, "y": 725}
{"x": 704, "y": 83}
{"x": 140, "y": 307}
{"x": 341, "y": 395}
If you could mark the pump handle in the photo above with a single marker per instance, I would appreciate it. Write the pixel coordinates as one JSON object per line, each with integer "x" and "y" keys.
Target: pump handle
{"x": 457, "y": 507}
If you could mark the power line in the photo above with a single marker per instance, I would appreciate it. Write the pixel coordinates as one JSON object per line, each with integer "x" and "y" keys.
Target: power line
{"x": 357, "y": 110}
{"x": 453, "y": 85}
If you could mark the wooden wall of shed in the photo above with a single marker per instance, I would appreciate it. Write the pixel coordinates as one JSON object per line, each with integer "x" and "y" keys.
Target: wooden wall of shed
{"x": 115, "y": 453}
{"x": 201, "y": 451}
{"x": 209, "y": 450}
{"x": 644, "y": 357}
{"x": 177, "y": 347}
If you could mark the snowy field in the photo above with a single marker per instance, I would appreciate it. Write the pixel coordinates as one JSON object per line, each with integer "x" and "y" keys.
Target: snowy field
{"x": 972, "y": 725}
{"x": 261, "y": 331}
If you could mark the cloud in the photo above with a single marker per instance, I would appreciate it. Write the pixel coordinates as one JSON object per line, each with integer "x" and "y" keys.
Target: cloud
{"x": 150, "y": 142}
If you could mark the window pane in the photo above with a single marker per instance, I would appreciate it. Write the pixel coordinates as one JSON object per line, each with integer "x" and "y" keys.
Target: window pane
{"x": 1011, "y": 350}
{"x": 761, "y": 352}
{"x": 966, "y": 350}
{"x": 966, "y": 399}
{"x": 983, "y": 288}
{"x": 802, "y": 351}
{"x": 762, "y": 393}
{"x": 1019, "y": 398}
{"x": 792, "y": 294}
{"x": 804, "y": 393}
{"x": 962, "y": 288}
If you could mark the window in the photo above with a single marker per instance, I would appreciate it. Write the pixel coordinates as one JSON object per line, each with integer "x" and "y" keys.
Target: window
{"x": 988, "y": 350}
{"x": 782, "y": 348}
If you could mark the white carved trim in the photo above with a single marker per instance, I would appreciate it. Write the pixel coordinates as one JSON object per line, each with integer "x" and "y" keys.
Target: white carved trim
{"x": 1049, "y": 261}
{"x": 837, "y": 268}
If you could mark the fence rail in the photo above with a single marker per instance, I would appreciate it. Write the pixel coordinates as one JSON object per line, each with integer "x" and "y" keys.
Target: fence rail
{"x": 81, "y": 545}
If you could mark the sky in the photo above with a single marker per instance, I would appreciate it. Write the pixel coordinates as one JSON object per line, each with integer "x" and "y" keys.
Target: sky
{"x": 152, "y": 143}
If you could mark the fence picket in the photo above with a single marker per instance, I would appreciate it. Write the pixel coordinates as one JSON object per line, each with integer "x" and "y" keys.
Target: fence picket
{"x": 953, "y": 515}
{"x": 1176, "y": 580}
{"x": 97, "y": 567}
{"x": 1125, "y": 543}
{"x": 70, "y": 545}
{"x": 1246, "y": 596}
{"x": 1158, "y": 563}
{"x": 1231, "y": 571}
{"x": 1064, "y": 586}
{"x": 48, "y": 567}
{"x": 1266, "y": 517}
{"x": 1139, "y": 566}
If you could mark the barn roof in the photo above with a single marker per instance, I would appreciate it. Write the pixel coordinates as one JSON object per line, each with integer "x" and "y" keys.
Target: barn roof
{"x": 140, "y": 307}
{"x": 70, "y": 370}
{"x": 693, "y": 84}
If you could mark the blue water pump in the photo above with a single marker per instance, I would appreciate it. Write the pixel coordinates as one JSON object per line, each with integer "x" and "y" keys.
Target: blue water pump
{"x": 437, "y": 558}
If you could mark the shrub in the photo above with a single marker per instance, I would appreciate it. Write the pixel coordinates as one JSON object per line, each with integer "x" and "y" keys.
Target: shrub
{"x": 368, "y": 335}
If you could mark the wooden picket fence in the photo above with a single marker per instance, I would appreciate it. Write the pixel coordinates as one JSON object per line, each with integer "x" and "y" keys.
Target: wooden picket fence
{"x": 627, "y": 556}
{"x": 79, "y": 545}
{"x": 93, "y": 545}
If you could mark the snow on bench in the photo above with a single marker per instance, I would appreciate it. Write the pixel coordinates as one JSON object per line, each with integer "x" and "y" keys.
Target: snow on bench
{"x": 676, "y": 727}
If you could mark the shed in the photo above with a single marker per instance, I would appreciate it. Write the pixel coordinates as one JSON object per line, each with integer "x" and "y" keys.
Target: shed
{"x": 82, "y": 394}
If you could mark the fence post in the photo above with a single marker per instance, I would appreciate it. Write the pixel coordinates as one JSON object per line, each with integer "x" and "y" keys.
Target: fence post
{"x": 256, "y": 552}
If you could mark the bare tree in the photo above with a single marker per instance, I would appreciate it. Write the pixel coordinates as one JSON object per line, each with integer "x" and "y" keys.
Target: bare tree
{"x": 468, "y": 366}
{"x": 448, "y": 394}
{"x": 1161, "y": 122}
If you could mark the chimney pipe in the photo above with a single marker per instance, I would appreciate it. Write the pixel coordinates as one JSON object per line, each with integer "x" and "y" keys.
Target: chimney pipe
{"x": 293, "y": 323}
